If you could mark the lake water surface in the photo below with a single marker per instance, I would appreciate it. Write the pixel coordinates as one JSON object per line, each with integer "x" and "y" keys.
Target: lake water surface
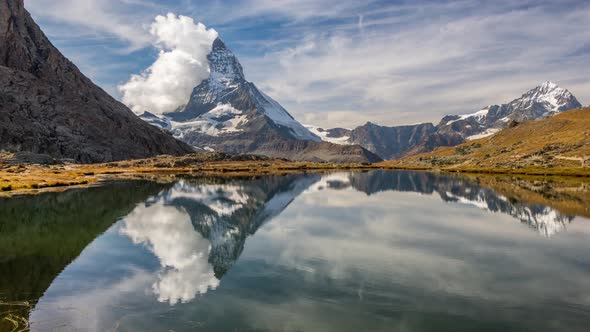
{"x": 373, "y": 251}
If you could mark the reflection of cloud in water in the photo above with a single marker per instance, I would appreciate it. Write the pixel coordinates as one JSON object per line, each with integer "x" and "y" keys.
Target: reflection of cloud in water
{"x": 167, "y": 231}
{"x": 355, "y": 242}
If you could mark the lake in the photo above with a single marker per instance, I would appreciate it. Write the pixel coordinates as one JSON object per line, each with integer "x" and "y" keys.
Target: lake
{"x": 356, "y": 251}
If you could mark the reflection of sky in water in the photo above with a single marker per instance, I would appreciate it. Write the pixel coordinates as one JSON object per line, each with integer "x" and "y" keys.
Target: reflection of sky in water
{"x": 168, "y": 233}
{"x": 345, "y": 254}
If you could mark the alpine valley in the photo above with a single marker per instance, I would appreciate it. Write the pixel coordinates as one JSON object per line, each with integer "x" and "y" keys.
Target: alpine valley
{"x": 226, "y": 113}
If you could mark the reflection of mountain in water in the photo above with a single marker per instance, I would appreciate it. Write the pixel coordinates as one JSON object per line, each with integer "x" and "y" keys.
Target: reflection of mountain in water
{"x": 545, "y": 220}
{"x": 40, "y": 235}
{"x": 198, "y": 229}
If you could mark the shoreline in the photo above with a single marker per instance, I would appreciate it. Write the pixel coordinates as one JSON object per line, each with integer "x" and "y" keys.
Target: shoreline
{"x": 24, "y": 178}
{"x": 562, "y": 172}
{"x": 34, "y": 179}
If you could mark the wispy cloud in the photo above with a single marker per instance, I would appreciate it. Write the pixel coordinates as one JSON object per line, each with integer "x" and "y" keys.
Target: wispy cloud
{"x": 341, "y": 63}
{"x": 123, "y": 20}
{"x": 433, "y": 60}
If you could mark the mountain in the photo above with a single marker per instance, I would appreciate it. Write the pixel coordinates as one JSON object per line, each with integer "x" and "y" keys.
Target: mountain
{"x": 227, "y": 213}
{"x": 546, "y": 220}
{"x": 389, "y": 142}
{"x": 226, "y": 113}
{"x": 560, "y": 141}
{"x": 209, "y": 221}
{"x": 48, "y": 106}
{"x": 541, "y": 102}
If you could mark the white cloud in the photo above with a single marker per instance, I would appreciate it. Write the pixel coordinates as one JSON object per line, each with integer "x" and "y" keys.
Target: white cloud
{"x": 406, "y": 62}
{"x": 180, "y": 66}
{"x": 433, "y": 59}
{"x": 183, "y": 253}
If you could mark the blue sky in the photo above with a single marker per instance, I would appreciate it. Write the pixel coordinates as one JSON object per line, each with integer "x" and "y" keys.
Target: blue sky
{"x": 343, "y": 63}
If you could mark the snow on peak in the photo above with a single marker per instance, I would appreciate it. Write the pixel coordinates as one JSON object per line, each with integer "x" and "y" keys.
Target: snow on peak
{"x": 544, "y": 100}
{"x": 226, "y": 87}
{"x": 549, "y": 85}
{"x": 275, "y": 112}
{"x": 550, "y": 95}
{"x": 223, "y": 62}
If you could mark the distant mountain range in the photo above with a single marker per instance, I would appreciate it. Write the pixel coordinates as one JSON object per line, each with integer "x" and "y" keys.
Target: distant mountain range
{"x": 48, "y": 106}
{"x": 560, "y": 141}
{"x": 227, "y": 113}
{"x": 543, "y": 101}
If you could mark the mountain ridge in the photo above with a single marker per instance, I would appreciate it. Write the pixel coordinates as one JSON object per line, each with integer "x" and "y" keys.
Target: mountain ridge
{"x": 560, "y": 141}
{"x": 49, "y": 107}
{"x": 395, "y": 142}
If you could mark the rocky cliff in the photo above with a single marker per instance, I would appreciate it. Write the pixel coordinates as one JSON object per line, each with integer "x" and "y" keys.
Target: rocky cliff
{"x": 48, "y": 106}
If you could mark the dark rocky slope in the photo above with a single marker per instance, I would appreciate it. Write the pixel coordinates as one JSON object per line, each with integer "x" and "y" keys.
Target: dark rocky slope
{"x": 48, "y": 106}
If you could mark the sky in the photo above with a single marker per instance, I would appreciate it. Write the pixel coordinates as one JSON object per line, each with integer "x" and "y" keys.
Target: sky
{"x": 341, "y": 63}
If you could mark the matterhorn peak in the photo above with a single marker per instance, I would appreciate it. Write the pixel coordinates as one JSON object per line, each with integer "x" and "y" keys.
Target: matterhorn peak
{"x": 224, "y": 65}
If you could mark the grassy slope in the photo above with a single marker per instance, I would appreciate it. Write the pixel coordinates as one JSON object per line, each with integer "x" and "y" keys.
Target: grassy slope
{"x": 560, "y": 144}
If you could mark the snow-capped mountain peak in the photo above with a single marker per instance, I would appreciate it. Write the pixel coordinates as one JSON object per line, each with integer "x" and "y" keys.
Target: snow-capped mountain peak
{"x": 226, "y": 70}
{"x": 548, "y": 85}
{"x": 545, "y": 100}
{"x": 552, "y": 97}
{"x": 226, "y": 109}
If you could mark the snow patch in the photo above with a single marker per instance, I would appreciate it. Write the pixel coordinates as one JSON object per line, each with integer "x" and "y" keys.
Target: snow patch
{"x": 479, "y": 202}
{"x": 479, "y": 115}
{"x": 488, "y": 132}
{"x": 223, "y": 119}
{"x": 323, "y": 134}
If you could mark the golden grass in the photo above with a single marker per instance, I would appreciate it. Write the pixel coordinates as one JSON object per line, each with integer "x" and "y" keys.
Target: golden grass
{"x": 26, "y": 179}
{"x": 557, "y": 145}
